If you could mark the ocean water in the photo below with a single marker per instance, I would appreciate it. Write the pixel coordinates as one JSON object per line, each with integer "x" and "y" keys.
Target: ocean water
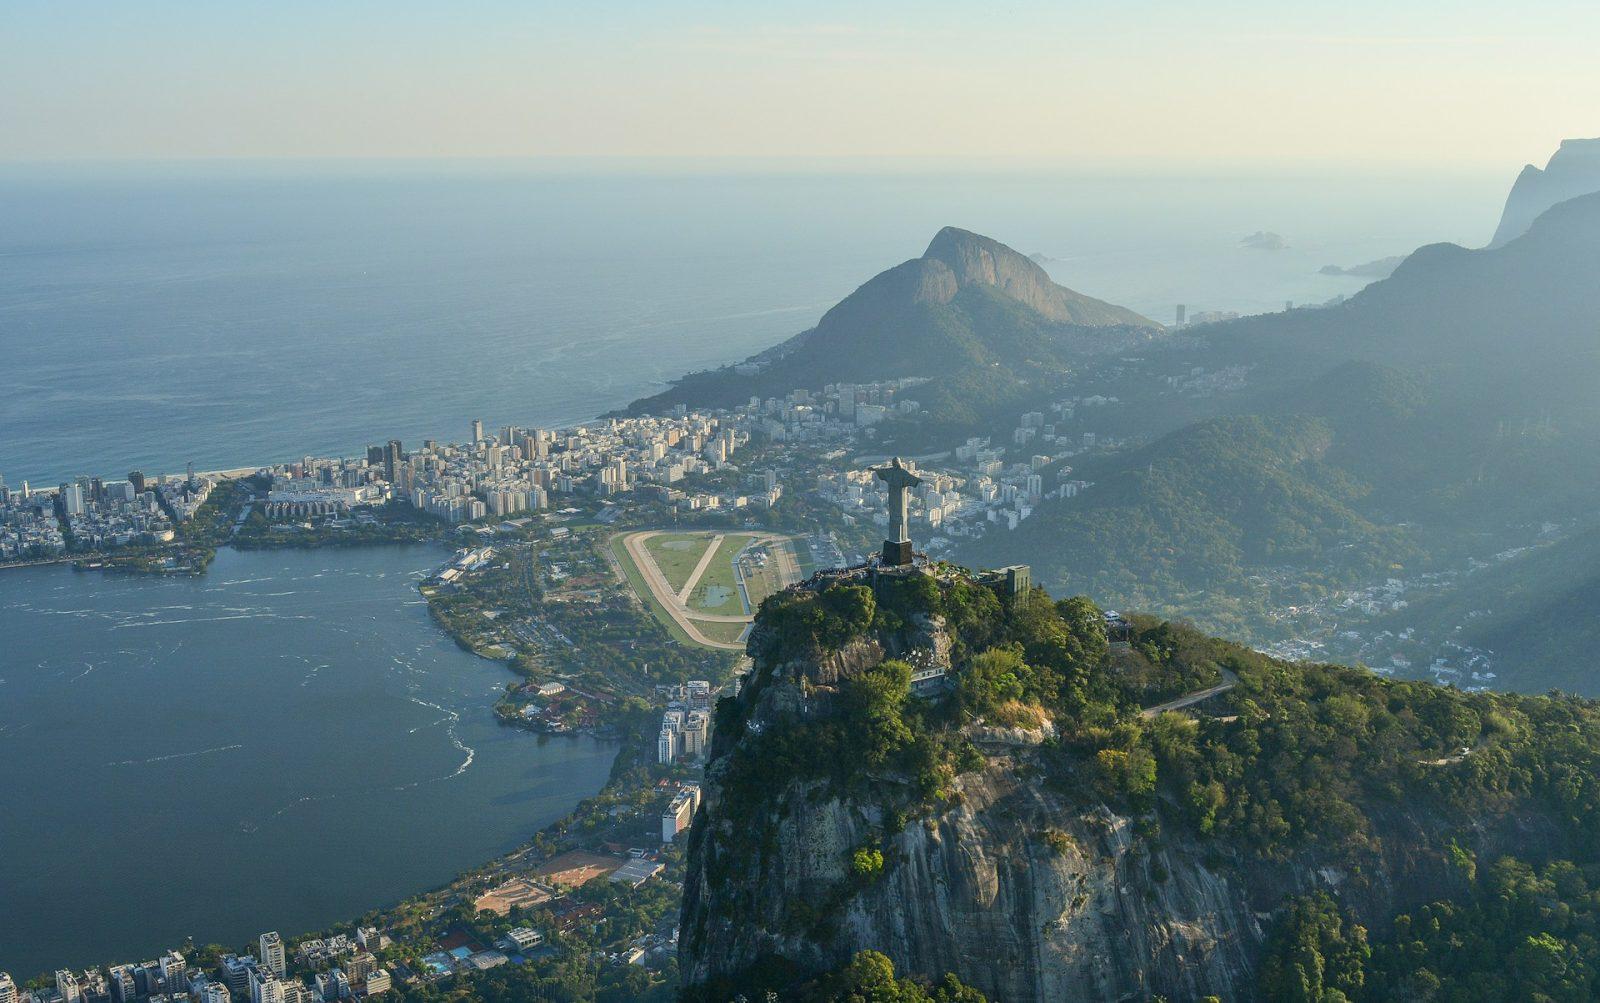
{"x": 231, "y": 315}
{"x": 284, "y": 743}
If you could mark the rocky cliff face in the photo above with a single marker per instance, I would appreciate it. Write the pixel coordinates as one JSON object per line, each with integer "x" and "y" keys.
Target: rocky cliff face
{"x": 973, "y": 259}
{"x": 1022, "y": 890}
{"x": 1573, "y": 170}
{"x": 1083, "y": 914}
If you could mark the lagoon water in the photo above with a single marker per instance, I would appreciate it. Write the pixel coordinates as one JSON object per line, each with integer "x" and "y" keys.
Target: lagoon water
{"x": 234, "y": 315}
{"x": 283, "y": 743}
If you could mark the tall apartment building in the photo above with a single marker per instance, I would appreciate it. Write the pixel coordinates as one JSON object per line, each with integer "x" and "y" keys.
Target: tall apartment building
{"x": 71, "y": 500}
{"x": 8, "y": 989}
{"x": 236, "y": 973}
{"x": 175, "y": 974}
{"x": 272, "y": 953}
{"x": 359, "y": 966}
{"x": 699, "y": 693}
{"x": 67, "y": 986}
{"x": 679, "y": 814}
{"x": 124, "y": 984}
{"x": 264, "y": 986}
{"x": 695, "y": 730}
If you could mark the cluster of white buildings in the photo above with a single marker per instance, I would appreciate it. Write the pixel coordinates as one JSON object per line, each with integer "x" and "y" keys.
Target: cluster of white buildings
{"x": 1199, "y": 381}
{"x": 522, "y": 470}
{"x": 841, "y": 411}
{"x": 182, "y": 497}
{"x": 236, "y": 979}
{"x": 686, "y": 723}
{"x": 683, "y": 735}
{"x": 301, "y": 498}
{"x": 29, "y": 528}
{"x": 464, "y": 563}
{"x": 987, "y": 484}
{"x": 98, "y": 514}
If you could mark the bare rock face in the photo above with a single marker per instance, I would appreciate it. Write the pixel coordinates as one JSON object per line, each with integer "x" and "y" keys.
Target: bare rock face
{"x": 1085, "y": 914}
{"x": 1019, "y": 891}
{"x": 973, "y": 259}
{"x": 1079, "y": 916}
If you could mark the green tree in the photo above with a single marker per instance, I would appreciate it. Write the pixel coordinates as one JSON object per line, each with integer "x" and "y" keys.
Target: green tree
{"x": 991, "y": 679}
{"x": 1314, "y": 955}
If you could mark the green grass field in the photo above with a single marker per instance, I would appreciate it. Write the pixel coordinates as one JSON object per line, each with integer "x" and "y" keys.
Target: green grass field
{"x": 804, "y": 557}
{"x": 676, "y": 554}
{"x": 726, "y": 632}
{"x": 636, "y": 582}
{"x": 719, "y": 581}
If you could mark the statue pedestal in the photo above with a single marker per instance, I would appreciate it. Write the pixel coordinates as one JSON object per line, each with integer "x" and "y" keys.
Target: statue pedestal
{"x": 896, "y": 554}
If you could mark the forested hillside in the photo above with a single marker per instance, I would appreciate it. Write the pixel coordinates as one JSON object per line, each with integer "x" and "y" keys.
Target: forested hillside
{"x": 1035, "y": 833}
{"x": 1203, "y": 508}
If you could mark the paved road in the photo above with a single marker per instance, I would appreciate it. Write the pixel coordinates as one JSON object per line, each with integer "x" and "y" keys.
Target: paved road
{"x": 1229, "y": 681}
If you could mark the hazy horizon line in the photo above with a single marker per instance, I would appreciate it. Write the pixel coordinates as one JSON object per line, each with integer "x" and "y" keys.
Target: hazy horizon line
{"x": 863, "y": 164}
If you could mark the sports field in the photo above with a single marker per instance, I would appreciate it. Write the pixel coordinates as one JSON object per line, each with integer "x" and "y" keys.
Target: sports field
{"x": 634, "y": 575}
{"x": 690, "y": 583}
{"x": 678, "y": 554}
{"x": 717, "y": 589}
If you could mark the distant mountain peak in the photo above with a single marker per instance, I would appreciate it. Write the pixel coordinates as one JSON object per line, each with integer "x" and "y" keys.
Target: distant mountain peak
{"x": 969, "y": 304}
{"x": 976, "y": 260}
{"x": 1573, "y": 170}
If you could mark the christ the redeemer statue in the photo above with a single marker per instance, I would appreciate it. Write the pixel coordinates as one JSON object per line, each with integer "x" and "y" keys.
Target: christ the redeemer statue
{"x": 897, "y": 548}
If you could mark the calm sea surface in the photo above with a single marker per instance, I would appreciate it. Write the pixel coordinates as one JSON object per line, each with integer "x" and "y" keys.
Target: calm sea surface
{"x": 240, "y": 315}
{"x": 283, "y": 743}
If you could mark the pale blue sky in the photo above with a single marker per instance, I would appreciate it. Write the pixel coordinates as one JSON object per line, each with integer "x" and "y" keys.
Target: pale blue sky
{"x": 1132, "y": 82}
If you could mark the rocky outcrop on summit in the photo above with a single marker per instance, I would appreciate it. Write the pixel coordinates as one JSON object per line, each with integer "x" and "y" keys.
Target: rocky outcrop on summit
{"x": 974, "y": 259}
{"x": 1573, "y": 170}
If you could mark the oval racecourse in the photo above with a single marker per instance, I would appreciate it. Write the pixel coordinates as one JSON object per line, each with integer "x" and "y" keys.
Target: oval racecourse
{"x": 705, "y": 586}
